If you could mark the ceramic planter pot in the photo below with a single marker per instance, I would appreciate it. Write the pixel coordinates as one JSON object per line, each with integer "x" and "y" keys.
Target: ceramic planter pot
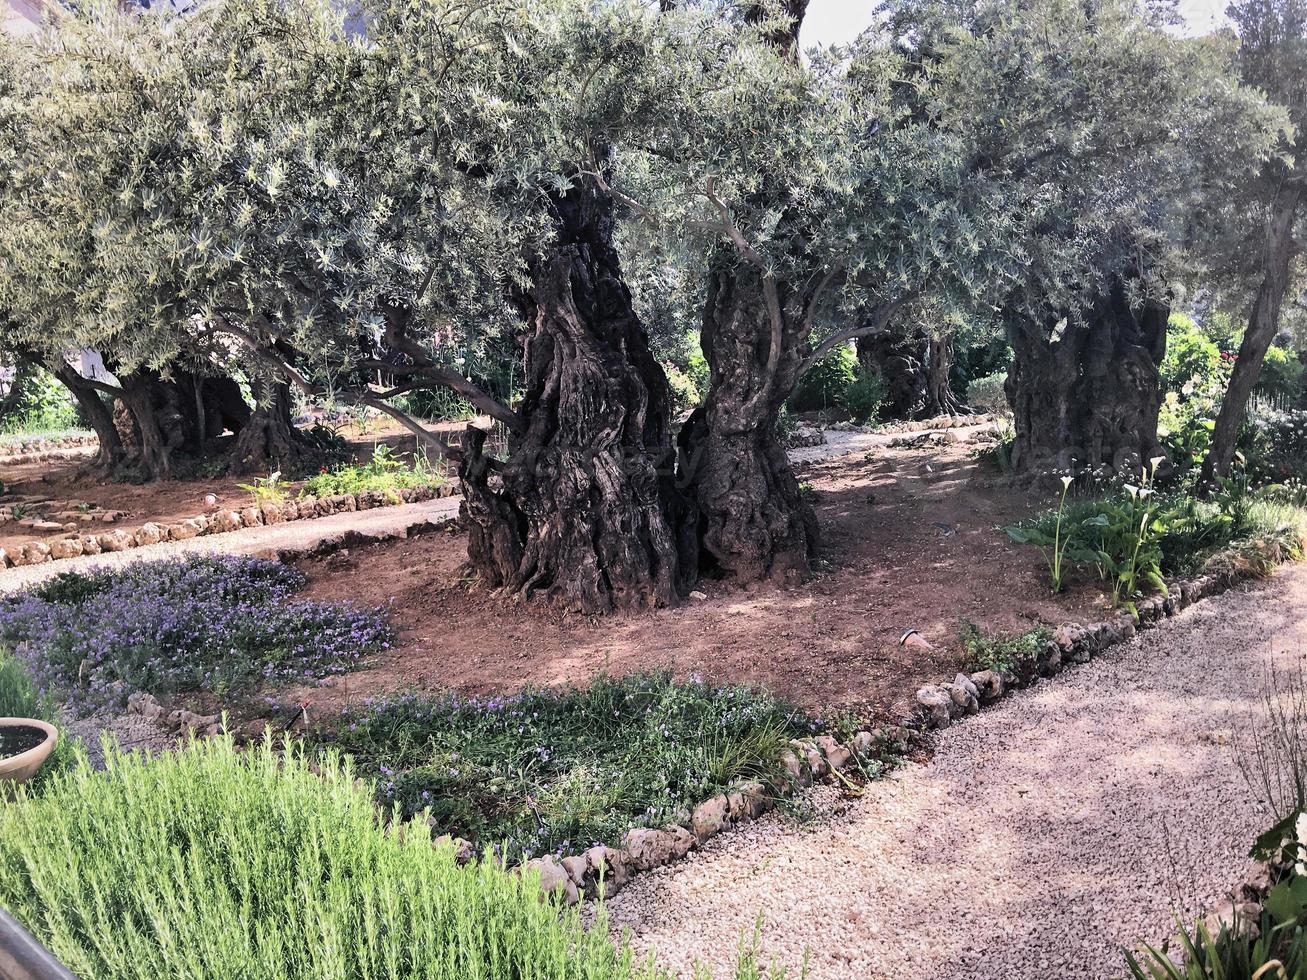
{"x": 19, "y": 768}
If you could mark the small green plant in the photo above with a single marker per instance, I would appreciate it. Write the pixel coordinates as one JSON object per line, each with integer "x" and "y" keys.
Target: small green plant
{"x": 1233, "y": 495}
{"x": 384, "y": 473}
{"x": 863, "y": 397}
{"x": 987, "y": 395}
{"x": 566, "y": 768}
{"x": 826, "y": 383}
{"x": 1054, "y": 549}
{"x": 266, "y": 489}
{"x": 988, "y": 652}
{"x": 1137, "y": 556}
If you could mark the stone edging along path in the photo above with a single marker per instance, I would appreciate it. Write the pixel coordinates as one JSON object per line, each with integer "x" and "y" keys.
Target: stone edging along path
{"x": 217, "y": 522}
{"x": 806, "y": 760}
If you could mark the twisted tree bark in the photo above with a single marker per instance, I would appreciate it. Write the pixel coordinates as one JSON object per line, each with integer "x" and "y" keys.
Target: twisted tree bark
{"x": 268, "y": 440}
{"x": 1087, "y": 397}
{"x": 755, "y": 523}
{"x": 583, "y": 509}
{"x": 98, "y": 414}
{"x": 914, "y": 370}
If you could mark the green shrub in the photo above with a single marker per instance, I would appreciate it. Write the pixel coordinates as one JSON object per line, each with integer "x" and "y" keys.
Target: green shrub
{"x": 825, "y": 384}
{"x": 208, "y": 863}
{"x": 1191, "y": 356}
{"x": 566, "y": 768}
{"x": 44, "y": 407}
{"x": 1281, "y": 377}
{"x": 863, "y": 398}
{"x": 1274, "y": 444}
{"x": 986, "y": 394}
{"x": 989, "y": 652}
{"x": 384, "y": 473}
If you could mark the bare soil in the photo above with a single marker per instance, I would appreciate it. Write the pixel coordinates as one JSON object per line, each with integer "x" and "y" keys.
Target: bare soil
{"x": 912, "y": 541}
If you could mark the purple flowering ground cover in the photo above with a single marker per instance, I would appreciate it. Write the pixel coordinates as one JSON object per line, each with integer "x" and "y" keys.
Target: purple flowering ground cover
{"x": 223, "y": 625}
{"x": 557, "y": 770}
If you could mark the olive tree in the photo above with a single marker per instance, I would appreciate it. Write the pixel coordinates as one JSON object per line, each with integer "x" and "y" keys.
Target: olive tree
{"x": 1105, "y": 137}
{"x": 1271, "y": 57}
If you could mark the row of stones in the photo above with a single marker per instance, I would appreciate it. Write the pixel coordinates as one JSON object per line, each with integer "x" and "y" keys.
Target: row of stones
{"x": 217, "y": 522}
{"x": 942, "y": 704}
{"x": 607, "y": 870}
{"x": 40, "y": 444}
{"x": 46, "y": 456}
{"x": 939, "y": 422}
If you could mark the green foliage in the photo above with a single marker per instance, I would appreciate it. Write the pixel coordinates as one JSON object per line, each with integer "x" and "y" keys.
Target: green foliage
{"x": 1057, "y": 548}
{"x": 1192, "y": 357}
{"x": 266, "y": 490}
{"x": 1281, "y": 377}
{"x": 989, "y": 652}
{"x": 42, "y": 406}
{"x": 863, "y": 397}
{"x": 1194, "y": 376}
{"x": 566, "y": 768}
{"x": 384, "y": 472}
{"x": 1273, "y": 444}
{"x": 438, "y": 405}
{"x": 987, "y": 395}
{"x": 213, "y": 864}
{"x": 1120, "y": 536}
{"x": 20, "y": 698}
{"x": 826, "y": 383}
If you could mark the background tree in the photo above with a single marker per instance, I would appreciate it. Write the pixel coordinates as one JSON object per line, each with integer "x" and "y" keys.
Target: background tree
{"x": 1271, "y": 57}
{"x": 1103, "y": 136}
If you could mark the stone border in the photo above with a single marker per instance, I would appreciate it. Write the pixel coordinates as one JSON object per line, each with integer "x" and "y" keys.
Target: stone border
{"x": 604, "y": 871}
{"x": 217, "y": 522}
{"x": 939, "y": 705}
{"x": 14, "y": 449}
{"x": 48, "y": 456}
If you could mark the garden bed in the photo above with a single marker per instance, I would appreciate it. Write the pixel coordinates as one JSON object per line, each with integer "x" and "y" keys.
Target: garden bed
{"x": 32, "y": 484}
{"x": 912, "y": 543}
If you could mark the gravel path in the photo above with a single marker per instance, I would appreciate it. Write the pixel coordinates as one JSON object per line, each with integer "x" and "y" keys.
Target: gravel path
{"x": 295, "y": 534}
{"x": 1045, "y": 834}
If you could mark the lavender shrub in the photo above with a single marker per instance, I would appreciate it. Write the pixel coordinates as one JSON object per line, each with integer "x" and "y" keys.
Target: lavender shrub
{"x": 219, "y": 624}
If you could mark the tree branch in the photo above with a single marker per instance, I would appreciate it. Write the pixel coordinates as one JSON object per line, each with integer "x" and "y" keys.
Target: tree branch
{"x": 364, "y": 396}
{"x": 875, "y": 324}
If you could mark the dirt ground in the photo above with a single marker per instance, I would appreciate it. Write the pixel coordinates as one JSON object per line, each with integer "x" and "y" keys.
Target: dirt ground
{"x": 166, "y": 501}
{"x": 911, "y": 541}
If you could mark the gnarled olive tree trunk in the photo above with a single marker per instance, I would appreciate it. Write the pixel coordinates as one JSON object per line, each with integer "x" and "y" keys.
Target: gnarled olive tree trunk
{"x": 755, "y": 523}
{"x": 1085, "y": 394}
{"x": 160, "y": 420}
{"x": 914, "y": 371}
{"x": 584, "y": 509}
{"x": 267, "y": 440}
